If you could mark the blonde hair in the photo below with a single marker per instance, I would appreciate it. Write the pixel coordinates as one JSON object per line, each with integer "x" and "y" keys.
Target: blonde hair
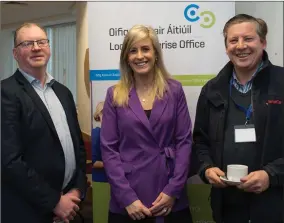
{"x": 98, "y": 111}
{"x": 24, "y": 25}
{"x": 122, "y": 88}
{"x": 261, "y": 26}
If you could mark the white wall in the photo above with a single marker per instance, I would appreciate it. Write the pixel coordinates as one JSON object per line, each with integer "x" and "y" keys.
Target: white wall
{"x": 36, "y": 11}
{"x": 272, "y": 14}
{"x": 6, "y": 59}
{"x": 0, "y": 16}
{"x": 55, "y": 13}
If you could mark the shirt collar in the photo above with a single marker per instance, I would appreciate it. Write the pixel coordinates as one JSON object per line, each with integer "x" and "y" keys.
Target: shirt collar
{"x": 49, "y": 79}
{"x": 254, "y": 74}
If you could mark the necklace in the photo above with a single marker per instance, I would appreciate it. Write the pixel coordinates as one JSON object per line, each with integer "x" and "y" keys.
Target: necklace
{"x": 145, "y": 97}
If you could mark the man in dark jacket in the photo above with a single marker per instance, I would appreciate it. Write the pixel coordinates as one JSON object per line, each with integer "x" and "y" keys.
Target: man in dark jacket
{"x": 43, "y": 159}
{"x": 247, "y": 93}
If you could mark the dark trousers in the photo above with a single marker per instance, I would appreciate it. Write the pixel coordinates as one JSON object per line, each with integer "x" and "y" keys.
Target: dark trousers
{"x": 183, "y": 216}
{"x": 235, "y": 214}
{"x": 240, "y": 214}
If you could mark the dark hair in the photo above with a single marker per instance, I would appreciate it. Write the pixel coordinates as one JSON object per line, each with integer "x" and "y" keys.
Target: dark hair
{"x": 261, "y": 26}
{"x": 26, "y": 24}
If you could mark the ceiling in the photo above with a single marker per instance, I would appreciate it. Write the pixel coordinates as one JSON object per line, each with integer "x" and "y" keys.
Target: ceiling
{"x": 14, "y": 13}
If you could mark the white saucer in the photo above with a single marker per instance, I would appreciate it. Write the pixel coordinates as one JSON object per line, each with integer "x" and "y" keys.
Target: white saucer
{"x": 229, "y": 182}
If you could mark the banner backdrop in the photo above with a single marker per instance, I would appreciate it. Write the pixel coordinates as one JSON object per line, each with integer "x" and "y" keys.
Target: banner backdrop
{"x": 190, "y": 35}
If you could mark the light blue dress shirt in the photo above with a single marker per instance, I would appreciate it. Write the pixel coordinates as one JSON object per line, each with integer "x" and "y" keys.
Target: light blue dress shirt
{"x": 59, "y": 119}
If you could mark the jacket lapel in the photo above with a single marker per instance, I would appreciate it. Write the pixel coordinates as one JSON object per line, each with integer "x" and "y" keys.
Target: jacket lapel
{"x": 219, "y": 98}
{"x": 137, "y": 109}
{"x": 158, "y": 109}
{"x": 36, "y": 99}
{"x": 64, "y": 100}
{"x": 219, "y": 89}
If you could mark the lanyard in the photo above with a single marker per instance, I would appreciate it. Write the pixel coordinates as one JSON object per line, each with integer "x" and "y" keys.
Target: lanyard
{"x": 247, "y": 111}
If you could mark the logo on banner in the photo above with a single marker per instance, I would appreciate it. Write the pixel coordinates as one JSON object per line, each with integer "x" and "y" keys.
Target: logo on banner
{"x": 207, "y": 18}
{"x": 105, "y": 75}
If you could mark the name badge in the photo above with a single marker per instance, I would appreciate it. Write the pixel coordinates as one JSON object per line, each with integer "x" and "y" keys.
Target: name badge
{"x": 245, "y": 133}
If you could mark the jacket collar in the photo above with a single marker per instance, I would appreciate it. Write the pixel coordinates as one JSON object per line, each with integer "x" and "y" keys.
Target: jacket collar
{"x": 28, "y": 88}
{"x": 219, "y": 86}
{"x": 49, "y": 79}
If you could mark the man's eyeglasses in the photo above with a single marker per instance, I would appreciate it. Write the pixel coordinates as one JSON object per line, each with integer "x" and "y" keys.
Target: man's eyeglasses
{"x": 30, "y": 43}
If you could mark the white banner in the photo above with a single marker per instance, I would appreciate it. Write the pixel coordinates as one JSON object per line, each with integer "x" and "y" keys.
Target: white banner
{"x": 190, "y": 35}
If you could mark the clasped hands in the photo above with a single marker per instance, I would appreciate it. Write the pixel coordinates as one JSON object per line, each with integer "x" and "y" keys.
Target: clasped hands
{"x": 255, "y": 182}
{"x": 67, "y": 206}
{"x": 162, "y": 206}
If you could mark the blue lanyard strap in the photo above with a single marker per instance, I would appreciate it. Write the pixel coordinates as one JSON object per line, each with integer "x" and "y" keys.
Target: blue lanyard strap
{"x": 247, "y": 111}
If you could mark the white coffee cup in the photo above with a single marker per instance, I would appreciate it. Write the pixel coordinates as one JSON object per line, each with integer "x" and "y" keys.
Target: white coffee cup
{"x": 235, "y": 172}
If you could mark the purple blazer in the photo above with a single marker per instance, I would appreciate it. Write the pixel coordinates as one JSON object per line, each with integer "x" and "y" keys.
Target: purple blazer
{"x": 144, "y": 157}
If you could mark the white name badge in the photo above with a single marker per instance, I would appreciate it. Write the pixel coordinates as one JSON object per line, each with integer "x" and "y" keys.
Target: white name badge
{"x": 245, "y": 133}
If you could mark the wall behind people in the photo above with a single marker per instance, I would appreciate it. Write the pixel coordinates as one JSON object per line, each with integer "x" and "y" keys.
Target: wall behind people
{"x": 6, "y": 58}
{"x": 53, "y": 14}
{"x": 59, "y": 23}
{"x": 83, "y": 85}
{"x": 272, "y": 14}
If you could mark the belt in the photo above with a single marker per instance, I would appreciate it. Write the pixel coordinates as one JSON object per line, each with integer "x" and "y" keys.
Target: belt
{"x": 169, "y": 153}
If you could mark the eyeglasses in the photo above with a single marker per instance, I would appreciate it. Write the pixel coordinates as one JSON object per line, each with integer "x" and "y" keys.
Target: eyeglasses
{"x": 31, "y": 43}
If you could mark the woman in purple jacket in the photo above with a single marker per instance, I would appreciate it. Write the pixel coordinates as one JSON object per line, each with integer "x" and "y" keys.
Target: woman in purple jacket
{"x": 146, "y": 136}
